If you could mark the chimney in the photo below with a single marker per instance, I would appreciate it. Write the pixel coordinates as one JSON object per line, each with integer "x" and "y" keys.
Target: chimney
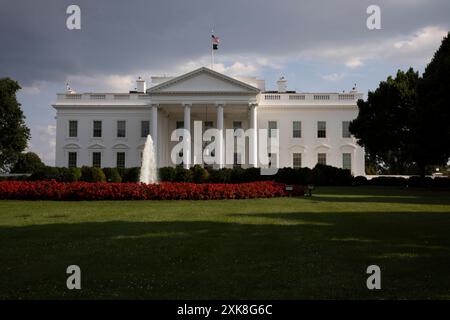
{"x": 140, "y": 85}
{"x": 282, "y": 85}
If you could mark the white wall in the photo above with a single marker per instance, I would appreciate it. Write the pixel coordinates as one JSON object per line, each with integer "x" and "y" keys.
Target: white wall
{"x": 309, "y": 145}
{"x": 109, "y": 144}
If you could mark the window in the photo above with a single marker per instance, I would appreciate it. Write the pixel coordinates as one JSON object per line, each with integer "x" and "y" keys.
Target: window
{"x": 345, "y": 130}
{"x": 347, "y": 161}
{"x": 208, "y": 125}
{"x": 297, "y": 160}
{"x": 322, "y": 158}
{"x": 73, "y": 128}
{"x": 237, "y": 125}
{"x": 97, "y": 132}
{"x": 72, "y": 160}
{"x": 297, "y": 129}
{"x": 180, "y": 124}
{"x": 121, "y": 129}
{"x": 96, "y": 159}
{"x": 237, "y": 160}
{"x": 120, "y": 160}
{"x": 145, "y": 128}
{"x": 321, "y": 129}
{"x": 272, "y": 126}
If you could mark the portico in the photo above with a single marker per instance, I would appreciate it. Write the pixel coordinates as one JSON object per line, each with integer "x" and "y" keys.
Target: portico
{"x": 203, "y": 95}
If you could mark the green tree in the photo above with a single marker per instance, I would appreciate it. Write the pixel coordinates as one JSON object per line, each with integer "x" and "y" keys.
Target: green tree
{"x": 14, "y": 134}
{"x": 432, "y": 137}
{"x": 384, "y": 123}
{"x": 27, "y": 163}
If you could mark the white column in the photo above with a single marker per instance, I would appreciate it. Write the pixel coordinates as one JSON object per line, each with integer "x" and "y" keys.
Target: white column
{"x": 187, "y": 126}
{"x": 154, "y": 130}
{"x": 220, "y": 140}
{"x": 253, "y": 148}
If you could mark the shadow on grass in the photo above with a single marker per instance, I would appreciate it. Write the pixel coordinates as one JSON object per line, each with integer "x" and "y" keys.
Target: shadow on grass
{"x": 246, "y": 258}
{"x": 382, "y": 195}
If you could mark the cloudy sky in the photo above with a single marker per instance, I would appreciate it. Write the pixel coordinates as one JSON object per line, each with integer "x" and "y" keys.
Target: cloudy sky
{"x": 318, "y": 45}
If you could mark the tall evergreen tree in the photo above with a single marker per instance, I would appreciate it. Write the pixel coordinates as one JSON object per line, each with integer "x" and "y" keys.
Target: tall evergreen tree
{"x": 14, "y": 134}
{"x": 432, "y": 134}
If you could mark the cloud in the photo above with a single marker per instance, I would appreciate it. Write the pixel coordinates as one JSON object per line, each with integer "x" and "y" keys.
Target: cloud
{"x": 354, "y": 62}
{"x": 107, "y": 83}
{"x": 422, "y": 42}
{"x": 34, "y": 88}
{"x": 43, "y": 143}
{"x": 333, "y": 76}
{"x": 119, "y": 39}
{"x": 415, "y": 48}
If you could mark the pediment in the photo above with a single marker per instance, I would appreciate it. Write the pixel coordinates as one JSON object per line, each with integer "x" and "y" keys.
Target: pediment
{"x": 120, "y": 146}
{"x": 96, "y": 146}
{"x": 348, "y": 146}
{"x": 72, "y": 146}
{"x": 203, "y": 80}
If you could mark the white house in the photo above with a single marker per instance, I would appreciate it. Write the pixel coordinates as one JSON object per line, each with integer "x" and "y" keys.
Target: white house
{"x": 110, "y": 129}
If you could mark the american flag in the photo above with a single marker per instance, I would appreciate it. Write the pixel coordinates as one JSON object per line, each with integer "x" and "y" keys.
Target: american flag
{"x": 215, "y": 42}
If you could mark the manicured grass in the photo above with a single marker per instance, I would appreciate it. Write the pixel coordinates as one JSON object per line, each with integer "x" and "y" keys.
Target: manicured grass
{"x": 288, "y": 248}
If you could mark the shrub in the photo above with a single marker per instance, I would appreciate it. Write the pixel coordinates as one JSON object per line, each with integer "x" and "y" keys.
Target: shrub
{"x": 47, "y": 173}
{"x": 183, "y": 175}
{"x": 220, "y": 176}
{"x": 28, "y": 162}
{"x": 360, "y": 181}
{"x": 286, "y": 175}
{"x": 388, "y": 181}
{"x": 327, "y": 175}
{"x": 236, "y": 175}
{"x": 167, "y": 174}
{"x": 70, "y": 174}
{"x": 92, "y": 174}
{"x": 131, "y": 174}
{"x": 52, "y": 190}
{"x": 441, "y": 182}
{"x": 253, "y": 174}
{"x": 112, "y": 175}
{"x": 199, "y": 174}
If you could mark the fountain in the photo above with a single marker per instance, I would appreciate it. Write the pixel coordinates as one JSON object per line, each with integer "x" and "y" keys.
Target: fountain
{"x": 149, "y": 173}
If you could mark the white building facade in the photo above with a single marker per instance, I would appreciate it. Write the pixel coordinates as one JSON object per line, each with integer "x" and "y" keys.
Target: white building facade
{"x": 110, "y": 129}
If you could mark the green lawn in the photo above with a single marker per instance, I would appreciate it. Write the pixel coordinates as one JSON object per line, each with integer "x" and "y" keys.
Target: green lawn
{"x": 290, "y": 248}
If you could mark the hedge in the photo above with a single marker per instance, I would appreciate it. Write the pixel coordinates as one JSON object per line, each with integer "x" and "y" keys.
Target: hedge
{"x": 320, "y": 175}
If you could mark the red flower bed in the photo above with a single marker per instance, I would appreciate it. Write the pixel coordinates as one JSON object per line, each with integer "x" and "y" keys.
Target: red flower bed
{"x": 52, "y": 190}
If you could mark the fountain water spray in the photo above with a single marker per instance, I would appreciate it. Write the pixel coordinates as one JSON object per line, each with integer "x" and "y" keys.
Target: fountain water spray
{"x": 149, "y": 173}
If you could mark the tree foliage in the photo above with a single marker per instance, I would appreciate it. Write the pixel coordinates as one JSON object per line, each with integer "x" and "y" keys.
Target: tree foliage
{"x": 27, "y": 163}
{"x": 405, "y": 123}
{"x": 432, "y": 137}
{"x": 384, "y": 125}
{"x": 14, "y": 134}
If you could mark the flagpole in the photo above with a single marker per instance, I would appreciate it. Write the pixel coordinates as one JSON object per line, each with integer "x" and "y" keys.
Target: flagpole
{"x": 212, "y": 50}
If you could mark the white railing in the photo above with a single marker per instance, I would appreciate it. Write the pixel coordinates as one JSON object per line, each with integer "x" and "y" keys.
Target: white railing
{"x": 272, "y": 97}
{"x": 309, "y": 98}
{"x": 102, "y": 98}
